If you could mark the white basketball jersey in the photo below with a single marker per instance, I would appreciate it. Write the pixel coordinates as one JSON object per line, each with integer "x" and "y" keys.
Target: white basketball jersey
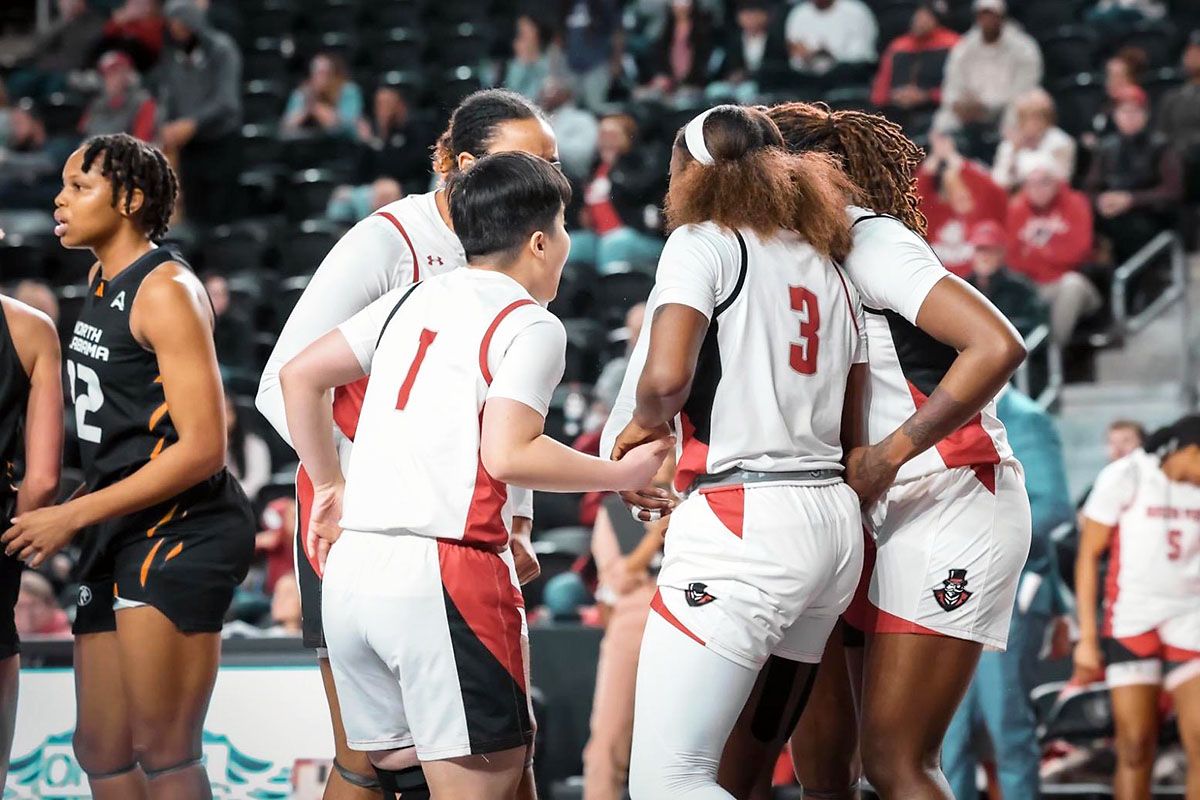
{"x": 1154, "y": 555}
{"x": 436, "y": 352}
{"x": 785, "y": 325}
{"x": 895, "y": 269}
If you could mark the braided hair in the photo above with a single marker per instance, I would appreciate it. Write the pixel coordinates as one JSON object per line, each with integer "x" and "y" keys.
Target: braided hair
{"x": 874, "y": 152}
{"x": 473, "y": 125}
{"x": 130, "y": 164}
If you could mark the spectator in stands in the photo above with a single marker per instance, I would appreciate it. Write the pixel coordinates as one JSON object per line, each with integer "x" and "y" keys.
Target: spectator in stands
{"x": 246, "y": 454}
{"x": 624, "y": 184}
{"x": 1050, "y": 228}
{"x": 394, "y": 139}
{"x": 1179, "y": 113}
{"x": 998, "y": 697}
{"x": 823, "y": 34}
{"x": 62, "y": 49}
{"x": 575, "y": 128}
{"x": 1012, "y": 293}
{"x": 1123, "y": 73}
{"x": 200, "y": 94}
{"x": 32, "y": 161}
{"x": 124, "y": 106}
{"x": 1114, "y": 17}
{"x": 285, "y": 607}
{"x": 39, "y": 295}
{"x": 1033, "y": 130}
{"x": 913, "y": 66}
{"x": 136, "y": 27}
{"x": 594, "y": 47}
{"x": 1123, "y": 437}
{"x": 608, "y": 385}
{"x": 995, "y": 63}
{"x": 625, "y": 551}
{"x": 276, "y": 540}
{"x": 328, "y": 101}
{"x": 751, "y": 50}
{"x": 535, "y": 58}
{"x": 233, "y": 331}
{"x": 351, "y": 203}
{"x": 678, "y": 61}
{"x": 956, "y": 195}
{"x": 37, "y": 612}
{"x": 1135, "y": 180}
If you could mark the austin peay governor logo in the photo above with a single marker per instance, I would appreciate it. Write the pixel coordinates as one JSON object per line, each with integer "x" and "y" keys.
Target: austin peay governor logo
{"x": 697, "y": 595}
{"x": 953, "y": 594}
{"x": 51, "y": 772}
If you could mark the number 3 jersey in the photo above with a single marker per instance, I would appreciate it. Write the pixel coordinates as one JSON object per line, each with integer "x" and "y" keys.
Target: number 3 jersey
{"x": 785, "y": 325}
{"x": 112, "y": 381}
{"x": 436, "y": 352}
{"x": 1154, "y": 554}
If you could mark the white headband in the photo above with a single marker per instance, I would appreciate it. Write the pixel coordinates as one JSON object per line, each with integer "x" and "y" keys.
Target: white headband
{"x": 693, "y": 138}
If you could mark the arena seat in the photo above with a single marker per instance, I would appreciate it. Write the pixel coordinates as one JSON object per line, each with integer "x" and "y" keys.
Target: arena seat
{"x": 393, "y": 13}
{"x": 586, "y": 340}
{"x": 893, "y": 19}
{"x": 395, "y": 48}
{"x": 555, "y": 510}
{"x": 61, "y": 113}
{"x": 263, "y": 102}
{"x": 20, "y": 260}
{"x": 1158, "y": 39}
{"x": 1068, "y": 50}
{"x": 1079, "y": 99}
{"x": 265, "y": 60}
{"x": 308, "y": 193}
{"x": 274, "y": 19}
{"x": 307, "y": 244}
{"x": 617, "y": 292}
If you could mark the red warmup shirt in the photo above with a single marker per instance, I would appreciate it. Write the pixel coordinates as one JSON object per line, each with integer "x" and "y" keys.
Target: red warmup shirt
{"x": 1050, "y": 242}
{"x": 949, "y": 232}
{"x": 598, "y": 199}
{"x": 941, "y": 39}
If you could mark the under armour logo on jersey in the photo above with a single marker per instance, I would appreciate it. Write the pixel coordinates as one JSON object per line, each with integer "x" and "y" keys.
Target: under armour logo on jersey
{"x": 953, "y": 593}
{"x": 697, "y": 595}
{"x": 118, "y": 301}
{"x": 432, "y": 259}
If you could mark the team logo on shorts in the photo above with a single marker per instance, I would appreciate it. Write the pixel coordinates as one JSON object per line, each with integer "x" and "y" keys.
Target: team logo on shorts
{"x": 85, "y": 595}
{"x": 953, "y": 593}
{"x": 697, "y": 595}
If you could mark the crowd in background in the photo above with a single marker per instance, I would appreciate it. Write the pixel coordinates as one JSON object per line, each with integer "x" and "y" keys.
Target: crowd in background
{"x": 1060, "y": 137}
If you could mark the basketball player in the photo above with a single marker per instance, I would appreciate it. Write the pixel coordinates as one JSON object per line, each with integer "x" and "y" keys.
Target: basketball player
{"x": 402, "y": 243}
{"x": 949, "y": 538}
{"x": 753, "y": 335}
{"x": 168, "y": 533}
{"x": 424, "y": 619}
{"x": 31, "y": 432}
{"x": 1145, "y": 512}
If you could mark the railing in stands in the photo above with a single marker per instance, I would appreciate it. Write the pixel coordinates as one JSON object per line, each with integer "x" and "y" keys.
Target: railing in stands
{"x": 1038, "y": 344}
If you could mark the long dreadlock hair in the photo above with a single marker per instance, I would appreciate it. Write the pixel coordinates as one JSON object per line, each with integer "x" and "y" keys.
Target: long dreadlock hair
{"x": 874, "y": 152}
{"x": 131, "y": 164}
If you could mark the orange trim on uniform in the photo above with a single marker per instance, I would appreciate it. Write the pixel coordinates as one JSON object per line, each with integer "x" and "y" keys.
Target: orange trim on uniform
{"x": 174, "y": 551}
{"x": 100, "y": 288}
{"x": 150, "y": 533}
{"x": 157, "y": 415}
{"x": 392, "y": 219}
{"x": 158, "y": 379}
{"x": 486, "y": 344}
{"x": 657, "y": 604}
{"x": 158, "y": 448}
{"x": 149, "y": 559}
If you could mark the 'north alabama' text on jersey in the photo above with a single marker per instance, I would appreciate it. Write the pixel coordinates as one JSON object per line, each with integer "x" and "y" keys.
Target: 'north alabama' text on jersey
{"x": 436, "y": 352}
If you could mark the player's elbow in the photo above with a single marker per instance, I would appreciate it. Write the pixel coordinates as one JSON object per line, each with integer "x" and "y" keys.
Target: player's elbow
{"x": 1006, "y": 352}
{"x": 663, "y": 382}
{"x": 499, "y": 461}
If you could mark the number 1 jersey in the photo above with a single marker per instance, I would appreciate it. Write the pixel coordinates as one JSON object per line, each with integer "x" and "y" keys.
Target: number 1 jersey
{"x": 436, "y": 352}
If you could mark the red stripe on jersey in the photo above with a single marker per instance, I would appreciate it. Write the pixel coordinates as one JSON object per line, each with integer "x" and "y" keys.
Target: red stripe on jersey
{"x": 392, "y": 219}
{"x": 1145, "y": 645}
{"x": 729, "y": 504}
{"x": 1178, "y": 655}
{"x": 967, "y": 446}
{"x": 486, "y": 344}
{"x": 304, "y": 500}
{"x": 478, "y": 582}
{"x": 347, "y": 406}
{"x": 693, "y": 457}
{"x": 865, "y": 615}
{"x": 846, "y": 291}
{"x": 657, "y": 604}
{"x": 986, "y": 473}
{"x": 485, "y": 525}
{"x": 1112, "y": 583}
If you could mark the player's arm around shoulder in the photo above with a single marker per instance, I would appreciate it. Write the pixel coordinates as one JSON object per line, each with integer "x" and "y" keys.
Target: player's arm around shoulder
{"x": 37, "y": 346}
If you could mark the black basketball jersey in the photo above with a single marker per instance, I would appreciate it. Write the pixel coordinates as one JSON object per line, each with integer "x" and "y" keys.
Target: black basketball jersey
{"x": 121, "y": 415}
{"x": 14, "y": 399}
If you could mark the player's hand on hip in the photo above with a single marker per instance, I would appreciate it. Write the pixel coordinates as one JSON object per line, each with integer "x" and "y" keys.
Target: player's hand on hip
{"x": 869, "y": 473}
{"x": 1089, "y": 661}
{"x": 324, "y": 520}
{"x": 37, "y": 535}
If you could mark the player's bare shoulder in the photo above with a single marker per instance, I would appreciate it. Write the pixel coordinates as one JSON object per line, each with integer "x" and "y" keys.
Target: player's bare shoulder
{"x": 169, "y": 290}
{"x": 33, "y": 333}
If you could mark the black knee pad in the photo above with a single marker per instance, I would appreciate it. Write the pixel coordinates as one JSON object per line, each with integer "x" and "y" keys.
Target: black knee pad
{"x": 356, "y": 779}
{"x": 408, "y": 783}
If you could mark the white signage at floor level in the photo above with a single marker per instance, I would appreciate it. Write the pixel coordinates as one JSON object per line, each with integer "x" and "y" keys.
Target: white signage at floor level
{"x": 262, "y": 720}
